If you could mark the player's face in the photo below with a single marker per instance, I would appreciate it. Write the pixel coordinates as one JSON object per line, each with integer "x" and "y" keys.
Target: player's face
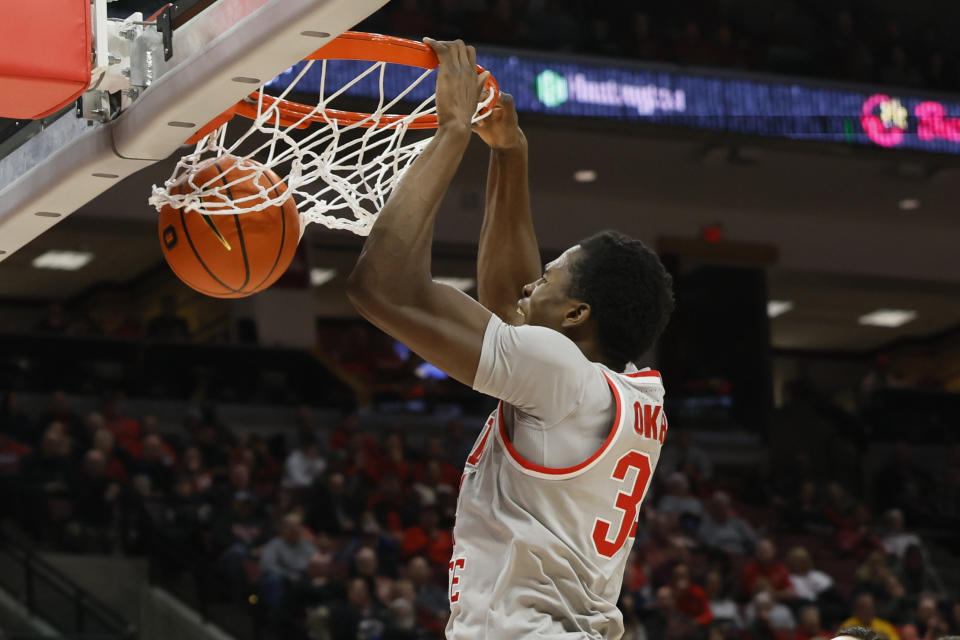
{"x": 546, "y": 302}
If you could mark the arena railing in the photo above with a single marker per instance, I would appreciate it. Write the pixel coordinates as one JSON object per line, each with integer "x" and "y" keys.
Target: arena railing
{"x": 52, "y": 597}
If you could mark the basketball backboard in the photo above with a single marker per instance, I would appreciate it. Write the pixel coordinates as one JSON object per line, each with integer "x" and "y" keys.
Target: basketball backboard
{"x": 218, "y": 56}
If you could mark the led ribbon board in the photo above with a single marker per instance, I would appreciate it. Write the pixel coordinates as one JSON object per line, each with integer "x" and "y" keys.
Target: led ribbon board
{"x": 718, "y": 102}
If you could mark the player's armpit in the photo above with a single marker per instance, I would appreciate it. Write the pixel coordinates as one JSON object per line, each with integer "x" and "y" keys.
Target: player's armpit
{"x": 440, "y": 323}
{"x": 536, "y": 369}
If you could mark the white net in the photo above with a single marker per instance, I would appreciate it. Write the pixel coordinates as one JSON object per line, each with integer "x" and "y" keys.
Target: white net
{"x": 340, "y": 173}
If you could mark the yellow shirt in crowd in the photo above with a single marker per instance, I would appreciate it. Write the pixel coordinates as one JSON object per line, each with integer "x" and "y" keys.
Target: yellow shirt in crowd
{"x": 876, "y": 624}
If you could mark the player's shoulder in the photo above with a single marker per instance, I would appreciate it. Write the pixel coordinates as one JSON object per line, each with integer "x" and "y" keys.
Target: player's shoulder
{"x": 550, "y": 341}
{"x": 642, "y": 376}
{"x": 646, "y": 382}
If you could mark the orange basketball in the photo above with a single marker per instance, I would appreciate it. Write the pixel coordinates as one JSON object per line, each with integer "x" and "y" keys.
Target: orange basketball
{"x": 231, "y": 255}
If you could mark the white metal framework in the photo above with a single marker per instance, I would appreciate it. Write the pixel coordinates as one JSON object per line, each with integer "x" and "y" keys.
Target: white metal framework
{"x": 216, "y": 57}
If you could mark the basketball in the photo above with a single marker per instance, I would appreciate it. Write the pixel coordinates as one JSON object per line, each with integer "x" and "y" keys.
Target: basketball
{"x": 231, "y": 255}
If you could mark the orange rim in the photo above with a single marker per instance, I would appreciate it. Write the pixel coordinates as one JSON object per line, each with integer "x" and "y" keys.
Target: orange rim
{"x": 350, "y": 45}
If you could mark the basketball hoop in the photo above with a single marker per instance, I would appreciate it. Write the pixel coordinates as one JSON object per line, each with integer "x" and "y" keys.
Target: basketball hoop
{"x": 343, "y": 166}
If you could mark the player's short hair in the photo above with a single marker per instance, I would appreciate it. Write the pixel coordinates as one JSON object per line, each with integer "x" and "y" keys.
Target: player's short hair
{"x": 860, "y": 633}
{"x": 629, "y": 292}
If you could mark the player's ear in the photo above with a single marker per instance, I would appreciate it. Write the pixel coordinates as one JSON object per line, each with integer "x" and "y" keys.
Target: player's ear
{"x": 576, "y": 316}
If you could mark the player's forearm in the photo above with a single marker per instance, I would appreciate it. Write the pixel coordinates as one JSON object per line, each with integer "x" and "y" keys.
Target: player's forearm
{"x": 509, "y": 256}
{"x": 395, "y": 260}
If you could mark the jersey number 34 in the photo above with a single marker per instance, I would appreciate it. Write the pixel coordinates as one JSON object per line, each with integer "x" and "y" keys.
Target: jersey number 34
{"x": 629, "y": 503}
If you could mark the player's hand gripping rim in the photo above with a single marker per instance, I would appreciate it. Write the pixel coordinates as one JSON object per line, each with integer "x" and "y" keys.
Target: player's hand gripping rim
{"x": 458, "y": 84}
{"x": 501, "y": 129}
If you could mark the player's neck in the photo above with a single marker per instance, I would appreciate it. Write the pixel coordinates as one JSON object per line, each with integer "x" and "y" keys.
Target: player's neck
{"x": 591, "y": 350}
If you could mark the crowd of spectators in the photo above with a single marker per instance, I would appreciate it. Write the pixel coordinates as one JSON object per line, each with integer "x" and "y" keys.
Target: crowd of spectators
{"x": 347, "y": 533}
{"x": 858, "y": 40}
{"x": 168, "y": 325}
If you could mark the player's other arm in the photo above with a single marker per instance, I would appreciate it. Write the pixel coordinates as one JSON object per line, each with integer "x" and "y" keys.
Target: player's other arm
{"x": 391, "y": 284}
{"x": 509, "y": 256}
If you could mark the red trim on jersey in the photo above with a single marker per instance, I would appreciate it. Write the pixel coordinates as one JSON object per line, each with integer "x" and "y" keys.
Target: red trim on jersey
{"x": 526, "y": 464}
{"x": 475, "y": 455}
{"x": 643, "y": 374}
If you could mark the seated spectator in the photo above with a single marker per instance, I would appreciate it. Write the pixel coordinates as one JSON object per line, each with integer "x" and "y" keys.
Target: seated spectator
{"x": 917, "y": 575}
{"x": 238, "y": 481}
{"x": 657, "y": 550}
{"x": 59, "y": 411}
{"x": 395, "y": 457}
{"x": 214, "y": 443}
{"x": 765, "y": 616}
{"x": 391, "y": 507}
{"x": 428, "y": 539}
{"x": 84, "y": 430}
{"x": 895, "y": 538}
{"x": 722, "y": 530}
{"x": 765, "y": 565}
{"x": 854, "y": 536}
{"x": 433, "y": 483}
{"x": 156, "y": 464}
{"x": 876, "y": 578}
{"x": 12, "y": 453}
{"x": 807, "y": 581}
{"x": 283, "y": 561}
{"x": 431, "y": 601}
{"x": 446, "y": 473}
{"x": 349, "y": 430}
{"x": 332, "y": 509}
{"x": 691, "y": 599}
{"x": 168, "y": 325}
{"x": 260, "y": 470}
{"x": 194, "y": 467}
{"x": 365, "y": 566}
{"x": 838, "y": 507}
{"x": 359, "y": 616}
{"x": 926, "y": 622}
{"x": 317, "y": 585}
{"x": 458, "y": 445}
{"x": 678, "y": 499}
{"x": 104, "y": 442}
{"x": 362, "y": 467}
{"x": 50, "y": 469}
{"x": 234, "y": 535}
{"x": 126, "y": 431}
{"x": 402, "y": 621}
{"x": 96, "y": 497}
{"x": 304, "y": 464}
{"x": 863, "y": 616}
{"x": 685, "y": 456}
{"x": 633, "y": 586}
{"x": 15, "y": 421}
{"x": 805, "y": 514}
{"x": 953, "y": 620}
{"x": 722, "y": 606}
{"x": 662, "y": 620}
{"x": 809, "y": 627}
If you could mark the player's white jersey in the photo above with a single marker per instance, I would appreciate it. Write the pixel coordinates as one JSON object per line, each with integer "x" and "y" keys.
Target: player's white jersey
{"x": 540, "y": 552}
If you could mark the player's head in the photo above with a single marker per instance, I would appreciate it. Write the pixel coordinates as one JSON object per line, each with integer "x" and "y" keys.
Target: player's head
{"x": 858, "y": 633}
{"x": 609, "y": 286}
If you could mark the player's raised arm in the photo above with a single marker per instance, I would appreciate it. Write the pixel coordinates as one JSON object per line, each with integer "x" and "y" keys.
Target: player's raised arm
{"x": 509, "y": 256}
{"x": 391, "y": 284}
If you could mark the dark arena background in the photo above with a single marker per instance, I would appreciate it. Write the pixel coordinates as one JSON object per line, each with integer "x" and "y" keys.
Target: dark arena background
{"x": 178, "y": 466}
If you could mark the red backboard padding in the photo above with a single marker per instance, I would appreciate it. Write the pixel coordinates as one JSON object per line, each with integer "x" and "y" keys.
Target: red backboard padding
{"x": 45, "y": 56}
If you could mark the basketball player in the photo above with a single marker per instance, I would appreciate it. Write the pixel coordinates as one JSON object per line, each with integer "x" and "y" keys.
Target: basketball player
{"x": 550, "y": 494}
